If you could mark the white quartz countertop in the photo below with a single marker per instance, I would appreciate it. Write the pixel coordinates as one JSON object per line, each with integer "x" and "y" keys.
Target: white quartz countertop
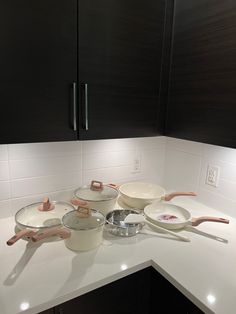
{"x": 38, "y": 276}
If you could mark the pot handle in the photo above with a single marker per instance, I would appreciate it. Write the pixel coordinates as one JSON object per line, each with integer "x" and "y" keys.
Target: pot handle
{"x": 46, "y": 205}
{"x": 78, "y": 202}
{"x": 199, "y": 220}
{"x": 83, "y": 212}
{"x": 96, "y": 185}
{"x": 168, "y": 197}
{"x": 23, "y": 233}
{"x": 113, "y": 185}
{"x": 61, "y": 232}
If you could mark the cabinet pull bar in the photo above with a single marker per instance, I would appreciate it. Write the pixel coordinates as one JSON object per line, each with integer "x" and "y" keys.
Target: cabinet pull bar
{"x": 74, "y": 107}
{"x": 86, "y": 106}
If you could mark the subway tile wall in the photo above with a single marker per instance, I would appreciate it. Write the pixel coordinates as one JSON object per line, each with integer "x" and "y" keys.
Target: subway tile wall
{"x": 186, "y": 169}
{"x": 28, "y": 172}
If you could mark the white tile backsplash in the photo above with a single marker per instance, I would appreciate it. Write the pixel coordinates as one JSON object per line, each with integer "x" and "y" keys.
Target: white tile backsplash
{"x": 4, "y": 171}
{"x": 185, "y": 146}
{"x": 153, "y": 164}
{"x": 182, "y": 170}
{"x": 4, "y": 190}
{"x": 36, "y": 150}
{"x": 107, "y": 159}
{"x": 28, "y": 172}
{"x": 37, "y": 167}
{"x": 5, "y": 209}
{"x": 39, "y": 185}
{"x": 186, "y": 167}
{"x": 103, "y": 146}
{"x": 3, "y": 152}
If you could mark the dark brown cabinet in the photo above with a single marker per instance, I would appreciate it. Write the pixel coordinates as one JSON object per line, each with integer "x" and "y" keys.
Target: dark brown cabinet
{"x": 144, "y": 292}
{"x": 120, "y": 61}
{"x": 38, "y": 56}
{"x": 80, "y": 69}
{"x": 202, "y": 92}
{"x": 83, "y": 69}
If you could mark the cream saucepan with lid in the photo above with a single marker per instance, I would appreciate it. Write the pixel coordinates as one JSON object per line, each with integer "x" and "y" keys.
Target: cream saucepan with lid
{"x": 39, "y": 216}
{"x": 82, "y": 229}
{"x": 98, "y": 196}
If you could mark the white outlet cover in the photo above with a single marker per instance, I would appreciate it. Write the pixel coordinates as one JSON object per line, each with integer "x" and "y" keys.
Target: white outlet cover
{"x": 213, "y": 175}
{"x": 136, "y": 167}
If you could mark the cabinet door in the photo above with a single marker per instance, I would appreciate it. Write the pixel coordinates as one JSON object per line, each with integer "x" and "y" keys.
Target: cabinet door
{"x": 129, "y": 295}
{"x": 50, "y": 311}
{"x": 120, "y": 58}
{"x": 203, "y": 76}
{"x": 166, "y": 299}
{"x": 38, "y": 61}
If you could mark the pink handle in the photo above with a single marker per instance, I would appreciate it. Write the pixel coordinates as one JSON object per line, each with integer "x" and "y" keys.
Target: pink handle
{"x": 113, "y": 185}
{"x": 83, "y": 212}
{"x": 96, "y": 185}
{"x": 61, "y": 232}
{"x": 25, "y": 232}
{"x": 46, "y": 205}
{"x": 78, "y": 202}
{"x": 168, "y": 197}
{"x": 199, "y": 220}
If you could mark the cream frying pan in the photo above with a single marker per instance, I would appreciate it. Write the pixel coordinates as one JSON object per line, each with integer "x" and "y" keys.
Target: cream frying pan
{"x": 140, "y": 194}
{"x": 39, "y": 216}
{"x": 171, "y": 216}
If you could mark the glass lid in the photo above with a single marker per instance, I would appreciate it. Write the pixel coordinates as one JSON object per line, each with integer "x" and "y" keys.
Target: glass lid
{"x": 43, "y": 214}
{"x": 96, "y": 191}
{"x": 74, "y": 220}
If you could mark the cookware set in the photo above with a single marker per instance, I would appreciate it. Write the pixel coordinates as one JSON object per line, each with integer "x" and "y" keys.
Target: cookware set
{"x": 81, "y": 222}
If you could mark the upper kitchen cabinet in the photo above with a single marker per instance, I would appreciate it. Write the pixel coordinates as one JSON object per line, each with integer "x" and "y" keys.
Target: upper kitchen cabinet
{"x": 202, "y": 92}
{"x": 120, "y": 60}
{"x": 38, "y": 65}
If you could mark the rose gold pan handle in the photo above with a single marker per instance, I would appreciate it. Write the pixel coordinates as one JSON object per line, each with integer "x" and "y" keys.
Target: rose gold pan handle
{"x": 55, "y": 231}
{"x": 23, "y": 233}
{"x": 113, "y": 185}
{"x": 46, "y": 205}
{"x": 199, "y": 220}
{"x": 168, "y": 197}
{"x": 78, "y": 202}
{"x": 96, "y": 185}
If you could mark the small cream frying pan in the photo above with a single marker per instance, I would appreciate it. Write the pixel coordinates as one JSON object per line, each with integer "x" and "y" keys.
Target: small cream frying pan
{"x": 171, "y": 216}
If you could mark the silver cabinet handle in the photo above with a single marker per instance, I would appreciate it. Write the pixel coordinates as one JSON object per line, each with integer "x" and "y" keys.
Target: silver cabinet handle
{"x": 74, "y": 106}
{"x": 86, "y": 106}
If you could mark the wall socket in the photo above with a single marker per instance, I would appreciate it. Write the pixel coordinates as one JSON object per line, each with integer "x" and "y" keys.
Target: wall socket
{"x": 213, "y": 175}
{"x": 136, "y": 166}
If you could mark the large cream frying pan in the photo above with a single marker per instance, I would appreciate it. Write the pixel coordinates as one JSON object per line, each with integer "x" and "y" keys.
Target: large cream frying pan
{"x": 139, "y": 194}
{"x": 171, "y": 216}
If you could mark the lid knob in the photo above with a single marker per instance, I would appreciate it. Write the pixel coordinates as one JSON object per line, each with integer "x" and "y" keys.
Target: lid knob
{"x": 46, "y": 205}
{"x": 96, "y": 185}
{"x": 83, "y": 212}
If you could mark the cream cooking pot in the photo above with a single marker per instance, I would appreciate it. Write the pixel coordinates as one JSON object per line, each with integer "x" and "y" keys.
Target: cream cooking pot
{"x": 82, "y": 229}
{"x": 97, "y": 196}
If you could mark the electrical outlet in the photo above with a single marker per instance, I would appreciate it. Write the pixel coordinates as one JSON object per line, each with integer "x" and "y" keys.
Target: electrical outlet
{"x": 213, "y": 175}
{"x": 136, "y": 167}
